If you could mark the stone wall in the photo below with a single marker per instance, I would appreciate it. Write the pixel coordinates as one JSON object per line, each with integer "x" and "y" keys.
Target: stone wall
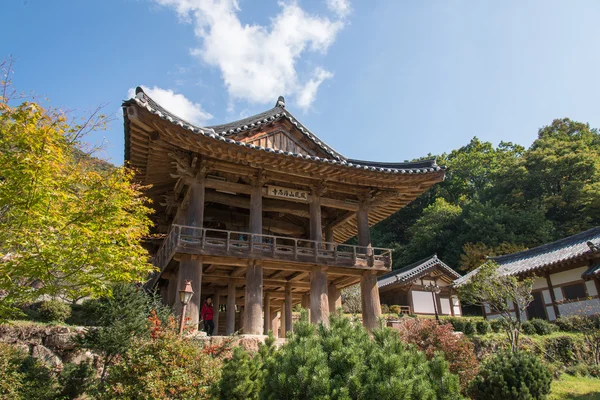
{"x": 52, "y": 345}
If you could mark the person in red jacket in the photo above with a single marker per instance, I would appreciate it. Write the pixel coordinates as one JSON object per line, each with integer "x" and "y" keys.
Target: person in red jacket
{"x": 207, "y": 313}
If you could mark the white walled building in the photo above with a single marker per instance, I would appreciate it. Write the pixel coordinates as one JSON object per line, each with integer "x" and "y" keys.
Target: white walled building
{"x": 566, "y": 276}
{"x": 410, "y": 288}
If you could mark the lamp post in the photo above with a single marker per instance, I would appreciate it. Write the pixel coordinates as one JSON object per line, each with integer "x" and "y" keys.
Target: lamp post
{"x": 184, "y": 296}
{"x": 434, "y": 289}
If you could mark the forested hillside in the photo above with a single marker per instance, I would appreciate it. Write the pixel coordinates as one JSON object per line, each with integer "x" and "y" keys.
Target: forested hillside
{"x": 497, "y": 200}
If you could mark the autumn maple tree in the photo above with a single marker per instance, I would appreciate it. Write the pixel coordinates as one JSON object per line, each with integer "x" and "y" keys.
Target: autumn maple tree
{"x": 70, "y": 225}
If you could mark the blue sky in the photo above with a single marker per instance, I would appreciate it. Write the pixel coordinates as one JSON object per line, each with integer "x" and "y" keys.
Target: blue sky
{"x": 379, "y": 80}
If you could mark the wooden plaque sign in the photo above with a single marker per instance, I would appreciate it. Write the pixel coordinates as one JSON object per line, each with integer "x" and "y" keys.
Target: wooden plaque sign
{"x": 287, "y": 193}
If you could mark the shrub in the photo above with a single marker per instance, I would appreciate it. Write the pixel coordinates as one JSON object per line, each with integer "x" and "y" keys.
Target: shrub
{"x": 582, "y": 369}
{"x": 342, "y": 361}
{"x": 120, "y": 319}
{"x": 164, "y": 367}
{"x": 517, "y": 375}
{"x": 385, "y": 309}
{"x": 54, "y": 311}
{"x": 564, "y": 349}
{"x": 458, "y": 324}
{"x": 23, "y": 377}
{"x": 241, "y": 377}
{"x": 431, "y": 338}
{"x": 542, "y": 327}
{"x": 352, "y": 300}
{"x": 528, "y": 328}
{"x": 394, "y": 309}
{"x": 483, "y": 327}
{"x": 76, "y": 379}
{"x": 497, "y": 325}
{"x": 566, "y": 324}
{"x": 469, "y": 327}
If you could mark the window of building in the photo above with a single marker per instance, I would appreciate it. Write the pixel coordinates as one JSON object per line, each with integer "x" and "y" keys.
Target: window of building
{"x": 575, "y": 291}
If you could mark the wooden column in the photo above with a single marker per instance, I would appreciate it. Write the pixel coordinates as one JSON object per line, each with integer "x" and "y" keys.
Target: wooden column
{"x": 216, "y": 304}
{"x": 242, "y": 313}
{"x": 329, "y": 238}
{"x": 319, "y": 303}
{"x": 371, "y": 308}
{"x": 172, "y": 296}
{"x": 267, "y": 320}
{"x": 282, "y": 322}
{"x": 306, "y": 303}
{"x": 230, "y": 327}
{"x": 190, "y": 269}
{"x": 253, "y": 309}
{"x": 288, "y": 326}
{"x": 335, "y": 298}
{"x": 552, "y": 297}
{"x": 274, "y": 326}
{"x": 253, "y": 323}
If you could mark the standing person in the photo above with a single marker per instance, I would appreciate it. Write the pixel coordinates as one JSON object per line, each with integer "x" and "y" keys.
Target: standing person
{"x": 207, "y": 313}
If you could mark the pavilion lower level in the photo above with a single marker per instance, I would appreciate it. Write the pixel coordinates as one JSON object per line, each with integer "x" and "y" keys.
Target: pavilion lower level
{"x": 259, "y": 275}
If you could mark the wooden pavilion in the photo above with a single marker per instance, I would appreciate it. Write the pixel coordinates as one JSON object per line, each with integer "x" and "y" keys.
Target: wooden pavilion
{"x": 255, "y": 213}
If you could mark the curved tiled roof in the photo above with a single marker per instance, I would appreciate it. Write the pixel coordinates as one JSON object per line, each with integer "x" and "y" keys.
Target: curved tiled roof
{"x": 415, "y": 271}
{"x": 565, "y": 249}
{"x": 222, "y": 133}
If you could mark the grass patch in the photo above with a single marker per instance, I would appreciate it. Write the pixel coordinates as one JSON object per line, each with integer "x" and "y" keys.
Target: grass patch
{"x": 575, "y": 388}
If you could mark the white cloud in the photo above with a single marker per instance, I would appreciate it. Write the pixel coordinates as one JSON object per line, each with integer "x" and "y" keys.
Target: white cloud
{"x": 177, "y": 104}
{"x": 340, "y": 7}
{"x": 259, "y": 63}
{"x": 309, "y": 92}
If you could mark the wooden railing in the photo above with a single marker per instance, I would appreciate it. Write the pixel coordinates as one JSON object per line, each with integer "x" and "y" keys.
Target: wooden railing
{"x": 234, "y": 243}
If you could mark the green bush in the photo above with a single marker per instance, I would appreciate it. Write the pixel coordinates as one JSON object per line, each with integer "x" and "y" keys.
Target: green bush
{"x": 566, "y": 324}
{"x": 469, "y": 327}
{"x": 542, "y": 327}
{"x": 76, "y": 379}
{"x": 164, "y": 367}
{"x": 496, "y": 325}
{"x": 564, "y": 349}
{"x": 458, "y": 324}
{"x": 518, "y": 375}
{"x": 54, "y": 311}
{"x": 22, "y": 377}
{"x": 341, "y": 361}
{"x": 385, "y": 309}
{"x": 528, "y": 328}
{"x": 120, "y": 319}
{"x": 394, "y": 309}
{"x": 582, "y": 369}
{"x": 483, "y": 327}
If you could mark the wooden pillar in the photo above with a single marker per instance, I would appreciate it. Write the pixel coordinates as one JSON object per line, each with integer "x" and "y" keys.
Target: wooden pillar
{"x": 282, "y": 321}
{"x": 230, "y": 326}
{"x": 371, "y": 308}
{"x": 267, "y": 319}
{"x": 552, "y": 297}
{"x": 274, "y": 326}
{"x": 362, "y": 223}
{"x": 288, "y": 326}
{"x": 190, "y": 269}
{"x": 306, "y": 303}
{"x": 216, "y": 304}
{"x": 319, "y": 300}
{"x": 172, "y": 296}
{"x": 335, "y": 298}
{"x": 190, "y": 266}
{"x": 319, "y": 303}
{"x": 253, "y": 309}
{"x": 253, "y": 323}
{"x": 242, "y": 313}
{"x": 329, "y": 238}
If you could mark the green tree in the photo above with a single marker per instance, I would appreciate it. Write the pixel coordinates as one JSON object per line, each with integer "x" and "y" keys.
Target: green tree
{"x": 563, "y": 168}
{"x": 122, "y": 317}
{"x": 505, "y": 295}
{"x": 67, "y": 227}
